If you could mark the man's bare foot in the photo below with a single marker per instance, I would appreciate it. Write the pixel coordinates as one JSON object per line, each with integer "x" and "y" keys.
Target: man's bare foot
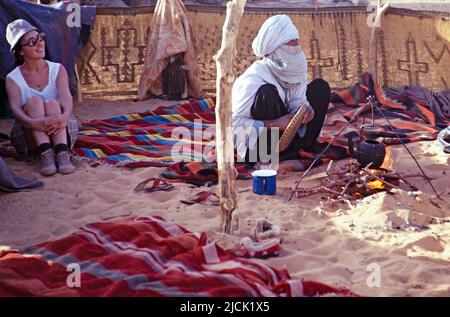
{"x": 291, "y": 166}
{"x": 263, "y": 166}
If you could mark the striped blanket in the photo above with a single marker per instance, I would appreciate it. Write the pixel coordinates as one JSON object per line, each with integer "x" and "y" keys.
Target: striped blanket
{"x": 146, "y": 256}
{"x": 185, "y": 131}
{"x": 180, "y": 132}
{"x": 413, "y": 120}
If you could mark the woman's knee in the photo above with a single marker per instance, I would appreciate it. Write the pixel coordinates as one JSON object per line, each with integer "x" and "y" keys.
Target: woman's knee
{"x": 34, "y": 107}
{"x": 52, "y": 107}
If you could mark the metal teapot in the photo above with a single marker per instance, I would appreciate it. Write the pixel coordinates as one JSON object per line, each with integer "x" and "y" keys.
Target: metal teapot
{"x": 369, "y": 150}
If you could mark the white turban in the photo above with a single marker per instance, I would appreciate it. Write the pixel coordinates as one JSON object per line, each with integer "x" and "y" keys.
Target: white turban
{"x": 275, "y": 31}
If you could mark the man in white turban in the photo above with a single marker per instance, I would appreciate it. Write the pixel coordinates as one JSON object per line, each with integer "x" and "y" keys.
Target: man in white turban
{"x": 271, "y": 90}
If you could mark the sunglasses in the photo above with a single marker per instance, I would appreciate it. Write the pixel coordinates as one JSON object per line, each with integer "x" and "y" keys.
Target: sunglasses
{"x": 32, "y": 41}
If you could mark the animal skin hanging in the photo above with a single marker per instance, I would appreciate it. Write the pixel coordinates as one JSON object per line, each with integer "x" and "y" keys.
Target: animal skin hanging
{"x": 174, "y": 78}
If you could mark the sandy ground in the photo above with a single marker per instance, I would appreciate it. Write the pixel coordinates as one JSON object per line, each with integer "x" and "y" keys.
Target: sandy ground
{"x": 340, "y": 245}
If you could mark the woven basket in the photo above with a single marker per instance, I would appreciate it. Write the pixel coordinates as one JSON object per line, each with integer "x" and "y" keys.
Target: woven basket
{"x": 289, "y": 134}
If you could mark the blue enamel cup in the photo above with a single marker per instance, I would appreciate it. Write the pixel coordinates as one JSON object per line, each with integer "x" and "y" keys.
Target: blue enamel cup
{"x": 264, "y": 182}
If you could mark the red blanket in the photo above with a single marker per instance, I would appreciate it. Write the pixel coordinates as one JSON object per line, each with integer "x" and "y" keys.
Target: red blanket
{"x": 142, "y": 257}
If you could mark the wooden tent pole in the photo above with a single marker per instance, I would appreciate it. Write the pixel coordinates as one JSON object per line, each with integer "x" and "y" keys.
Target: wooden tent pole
{"x": 77, "y": 76}
{"x": 376, "y": 24}
{"x": 224, "y": 135}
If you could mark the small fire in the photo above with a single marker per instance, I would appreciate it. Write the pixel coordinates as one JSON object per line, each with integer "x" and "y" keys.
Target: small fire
{"x": 376, "y": 184}
{"x": 388, "y": 162}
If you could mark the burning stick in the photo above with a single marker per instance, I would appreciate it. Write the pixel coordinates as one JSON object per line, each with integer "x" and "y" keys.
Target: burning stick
{"x": 366, "y": 170}
{"x": 344, "y": 190}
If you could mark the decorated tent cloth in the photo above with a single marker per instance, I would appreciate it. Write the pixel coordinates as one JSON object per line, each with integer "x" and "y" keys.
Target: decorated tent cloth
{"x": 63, "y": 41}
{"x": 146, "y": 256}
{"x": 338, "y": 55}
{"x": 170, "y": 35}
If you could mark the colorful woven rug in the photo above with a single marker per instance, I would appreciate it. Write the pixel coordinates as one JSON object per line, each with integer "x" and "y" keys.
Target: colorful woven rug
{"x": 185, "y": 132}
{"x": 153, "y": 138}
{"x": 143, "y": 257}
{"x": 412, "y": 120}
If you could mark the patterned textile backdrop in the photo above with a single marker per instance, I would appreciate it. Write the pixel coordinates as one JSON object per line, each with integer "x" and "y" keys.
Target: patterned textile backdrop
{"x": 410, "y": 52}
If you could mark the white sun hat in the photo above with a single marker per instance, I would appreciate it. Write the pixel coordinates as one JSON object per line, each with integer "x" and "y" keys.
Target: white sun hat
{"x": 16, "y": 29}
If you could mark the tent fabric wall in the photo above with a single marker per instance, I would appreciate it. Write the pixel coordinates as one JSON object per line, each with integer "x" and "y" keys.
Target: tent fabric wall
{"x": 410, "y": 52}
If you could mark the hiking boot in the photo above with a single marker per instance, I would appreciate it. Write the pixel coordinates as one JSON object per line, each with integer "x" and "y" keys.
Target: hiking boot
{"x": 64, "y": 164}
{"x": 48, "y": 166}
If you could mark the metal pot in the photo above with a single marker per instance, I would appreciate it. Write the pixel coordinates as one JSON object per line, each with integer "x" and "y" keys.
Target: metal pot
{"x": 368, "y": 151}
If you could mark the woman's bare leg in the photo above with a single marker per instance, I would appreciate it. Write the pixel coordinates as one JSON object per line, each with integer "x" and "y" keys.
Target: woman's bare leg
{"x": 65, "y": 166}
{"x": 53, "y": 108}
{"x": 34, "y": 108}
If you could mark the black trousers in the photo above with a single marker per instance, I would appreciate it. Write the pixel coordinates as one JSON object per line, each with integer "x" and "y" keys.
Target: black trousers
{"x": 268, "y": 106}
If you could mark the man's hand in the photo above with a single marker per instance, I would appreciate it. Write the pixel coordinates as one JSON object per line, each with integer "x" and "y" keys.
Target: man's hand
{"x": 309, "y": 114}
{"x": 55, "y": 124}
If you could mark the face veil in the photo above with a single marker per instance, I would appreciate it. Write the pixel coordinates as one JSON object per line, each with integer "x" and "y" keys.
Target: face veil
{"x": 288, "y": 65}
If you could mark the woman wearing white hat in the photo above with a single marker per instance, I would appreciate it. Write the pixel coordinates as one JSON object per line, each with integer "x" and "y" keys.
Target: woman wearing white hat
{"x": 40, "y": 101}
{"x": 271, "y": 91}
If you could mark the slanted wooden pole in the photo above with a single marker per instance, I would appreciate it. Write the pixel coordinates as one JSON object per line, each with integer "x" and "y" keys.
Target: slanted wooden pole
{"x": 376, "y": 25}
{"x": 77, "y": 76}
{"x": 224, "y": 136}
{"x": 443, "y": 28}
